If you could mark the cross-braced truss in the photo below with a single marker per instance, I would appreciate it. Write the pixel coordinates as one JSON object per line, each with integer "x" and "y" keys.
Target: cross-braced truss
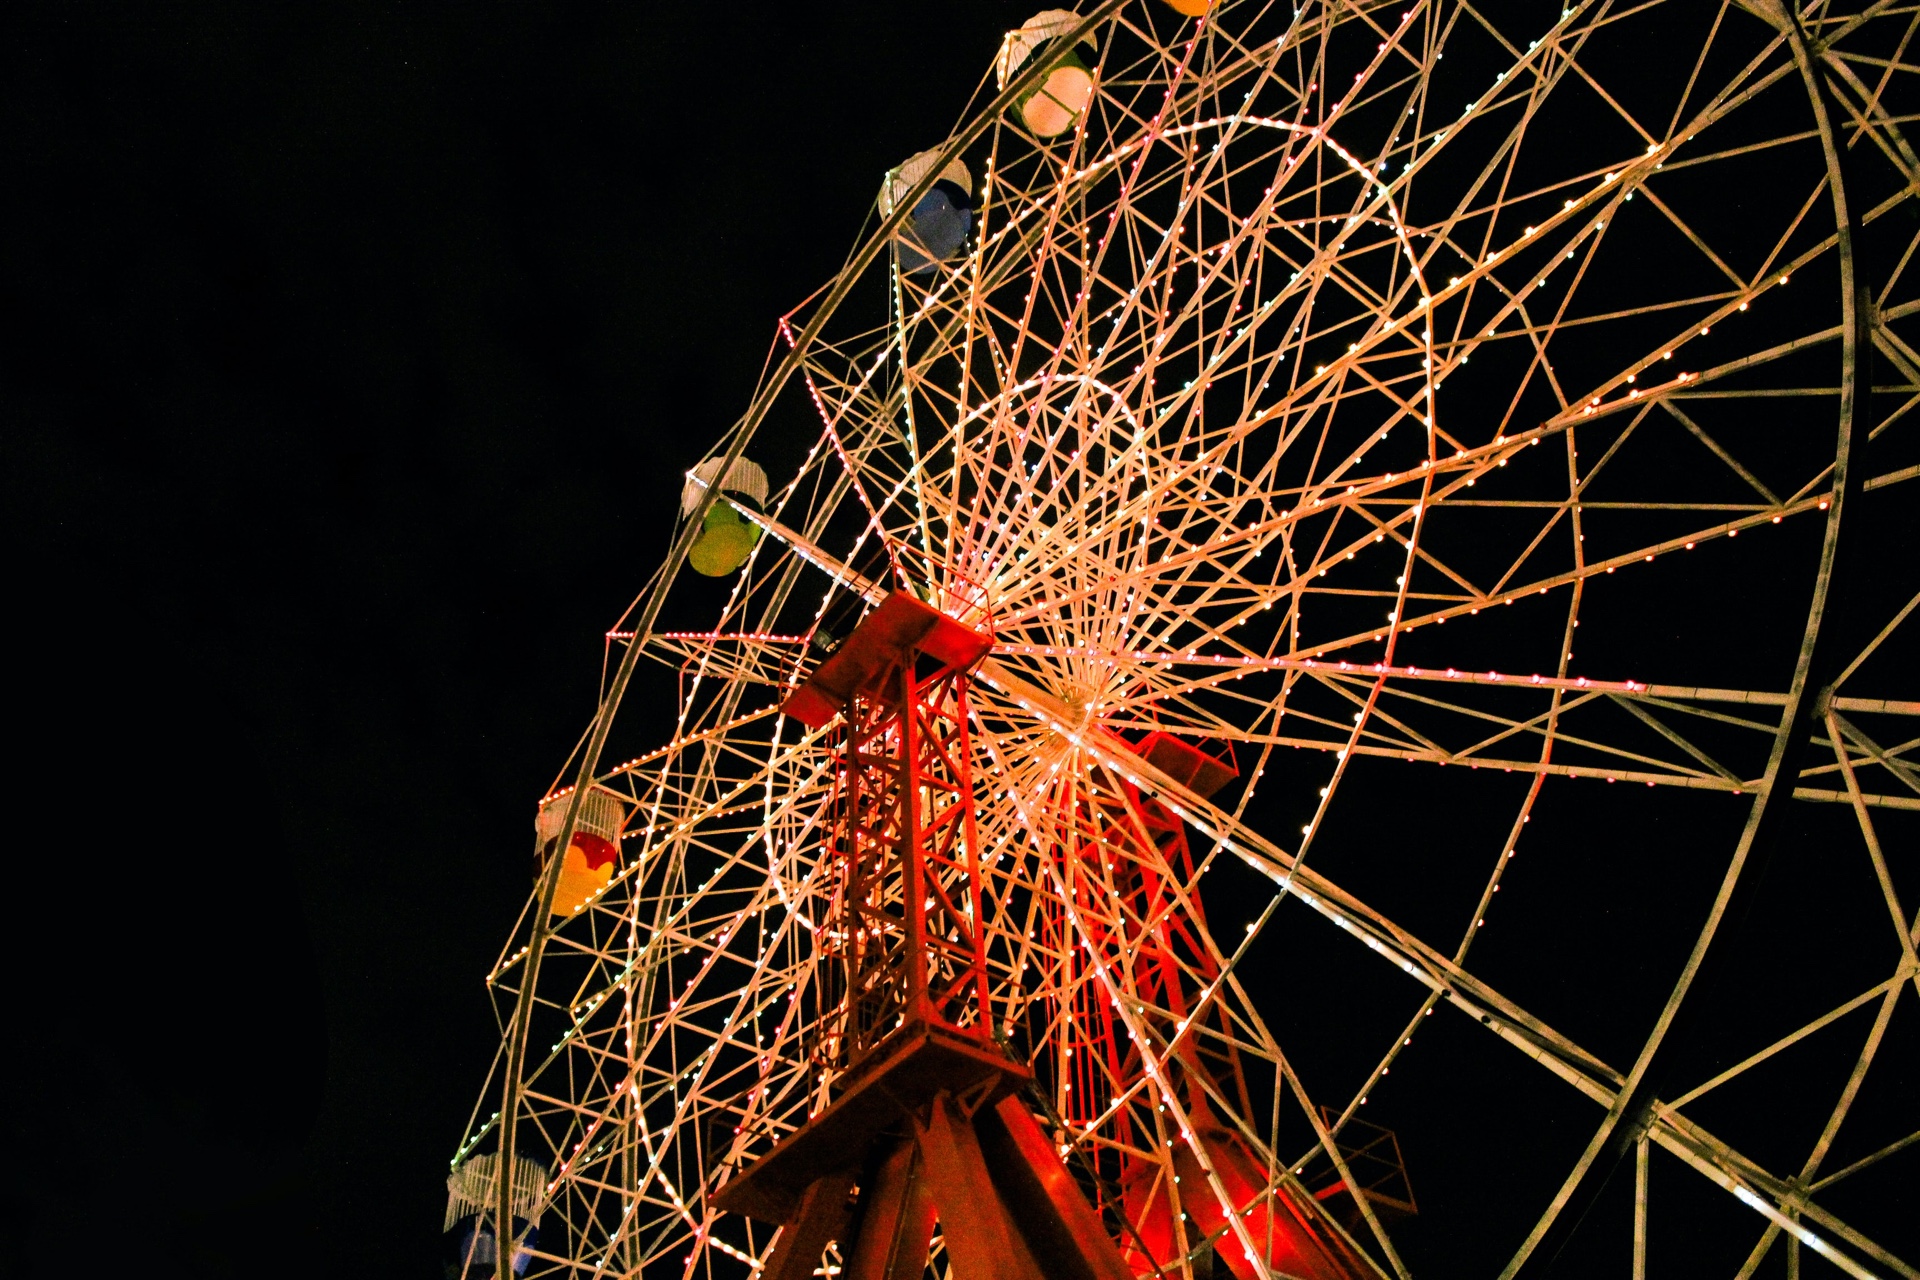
{"x": 1323, "y": 393}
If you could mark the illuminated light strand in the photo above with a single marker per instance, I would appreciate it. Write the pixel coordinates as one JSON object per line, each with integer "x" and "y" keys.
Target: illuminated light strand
{"x": 1319, "y": 666}
{"x": 1589, "y": 570}
{"x": 717, "y": 637}
{"x": 1258, "y": 532}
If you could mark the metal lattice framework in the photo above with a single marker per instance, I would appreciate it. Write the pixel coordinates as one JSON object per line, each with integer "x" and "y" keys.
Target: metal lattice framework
{"x": 1302, "y": 399}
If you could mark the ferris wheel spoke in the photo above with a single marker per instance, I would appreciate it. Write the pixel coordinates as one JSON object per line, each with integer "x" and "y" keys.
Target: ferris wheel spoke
{"x": 1419, "y": 961}
{"x": 1706, "y": 1154}
{"x": 1124, "y": 994}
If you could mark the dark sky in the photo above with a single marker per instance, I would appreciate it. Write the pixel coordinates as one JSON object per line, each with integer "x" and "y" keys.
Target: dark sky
{"x": 353, "y": 355}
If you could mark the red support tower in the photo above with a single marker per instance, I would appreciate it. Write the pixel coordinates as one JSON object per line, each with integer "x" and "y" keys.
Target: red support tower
{"x": 927, "y": 1125}
{"x": 1161, "y": 925}
{"x": 903, "y": 828}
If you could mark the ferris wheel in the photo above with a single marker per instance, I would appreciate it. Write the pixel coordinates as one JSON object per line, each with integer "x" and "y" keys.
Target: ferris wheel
{"x": 1112, "y": 757}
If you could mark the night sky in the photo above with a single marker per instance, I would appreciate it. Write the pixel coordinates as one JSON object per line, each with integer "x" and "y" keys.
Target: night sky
{"x": 354, "y": 355}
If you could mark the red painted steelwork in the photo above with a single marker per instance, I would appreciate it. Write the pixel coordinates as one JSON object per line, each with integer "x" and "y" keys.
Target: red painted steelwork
{"x": 1161, "y": 925}
{"x": 1296, "y": 1242}
{"x": 903, "y": 957}
{"x": 902, "y": 942}
{"x": 899, "y": 627}
{"x": 924, "y": 1090}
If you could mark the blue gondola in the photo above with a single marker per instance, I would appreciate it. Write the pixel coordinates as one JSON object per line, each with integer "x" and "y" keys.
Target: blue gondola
{"x": 473, "y": 1254}
{"x": 936, "y": 228}
{"x": 471, "y": 1250}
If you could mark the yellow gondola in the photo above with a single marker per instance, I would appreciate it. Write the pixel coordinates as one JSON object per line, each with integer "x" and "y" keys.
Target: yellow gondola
{"x": 726, "y": 538}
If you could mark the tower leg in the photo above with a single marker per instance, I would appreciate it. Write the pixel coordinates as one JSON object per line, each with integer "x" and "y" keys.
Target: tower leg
{"x": 896, "y": 1221}
{"x": 1066, "y": 1235}
{"x": 822, "y": 1218}
{"x": 1005, "y": 1204}
{"x": 982, "y": 1243}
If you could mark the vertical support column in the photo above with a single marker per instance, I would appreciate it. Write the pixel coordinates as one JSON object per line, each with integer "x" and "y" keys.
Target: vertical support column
{"x": 851, "y": 821}
{"x": 970, "y": 835}
{"x": 913, "y": 866}
{"x": 1640, "y": 1209}
{"x": 908, "y": 930}
{"x": 939, "y": 852}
